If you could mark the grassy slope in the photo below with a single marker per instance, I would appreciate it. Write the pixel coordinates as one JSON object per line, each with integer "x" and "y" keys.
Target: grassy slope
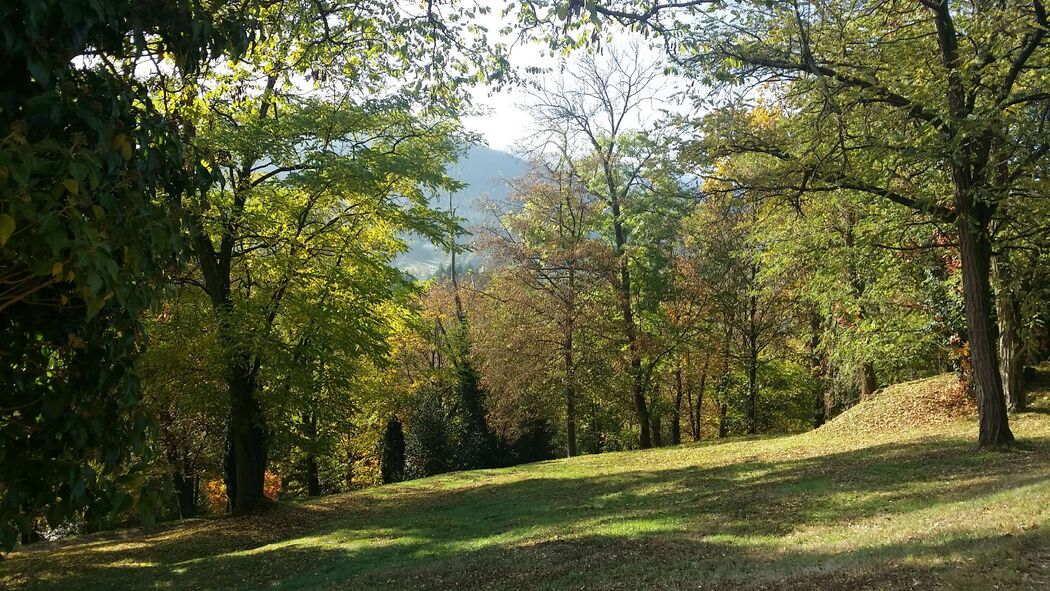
{"x": 831, "y": 509}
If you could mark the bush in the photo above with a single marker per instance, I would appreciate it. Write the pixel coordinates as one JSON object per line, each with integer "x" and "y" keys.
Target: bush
{"x": 427, "y": 447}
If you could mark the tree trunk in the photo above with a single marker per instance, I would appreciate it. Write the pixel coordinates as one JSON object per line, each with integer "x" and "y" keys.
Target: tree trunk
{"x": 350, "y": 457}
{"x": 700, "y": 399}
{"x": 627, "y": 311}
{"x": 313, "y": 477}
{"x": 1011, "y": 356}
{"x": 596, "y": 428}
{"x": 752, "y": 383}
{"x": 657, "y": 432}
{"x": 185, "y": 485}
{"x": 816, "y": 369}
{"x": 642, "y": 412}
{"x": 820, "y": 410}
{"x": 247, "y": 439}
{"x": 31, "y": 535}
{"x": 676, "y": 417}
{"x": 973, "y": 214}
{"x": 976, "y": 252}
{"x": 752, "y": 359}
{"x": 694, "y": 431}
{"x": 245, "y": 456}
{"x": 866, "y": 372}
{"x": 868, "y": 384}
{"x": 570, "y": 395}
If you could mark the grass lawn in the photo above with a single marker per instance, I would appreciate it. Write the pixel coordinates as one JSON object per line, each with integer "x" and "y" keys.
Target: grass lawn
{"x": 837, "y": 508}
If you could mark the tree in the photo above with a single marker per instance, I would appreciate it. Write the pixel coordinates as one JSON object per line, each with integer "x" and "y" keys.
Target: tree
{"x": 180, "y": 371}
{"x": 392, "y": 463}
{"x": 429, "y": 441}
{"x": 546, "y": 244}
{"x": 595, "y": 118}
{"x": 316, "y": 186}
{"x": 953, "y": 130}
{"x": 90, "y": 175}
{"x": 751, "y": 306}
{"x": 303, "y": 256}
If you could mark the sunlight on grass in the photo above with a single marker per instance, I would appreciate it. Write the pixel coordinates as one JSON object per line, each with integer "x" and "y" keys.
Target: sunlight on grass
{"x": 817, "y": 510}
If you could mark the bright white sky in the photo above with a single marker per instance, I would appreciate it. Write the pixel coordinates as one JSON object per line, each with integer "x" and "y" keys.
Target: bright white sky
{"x": 506, "y": 124}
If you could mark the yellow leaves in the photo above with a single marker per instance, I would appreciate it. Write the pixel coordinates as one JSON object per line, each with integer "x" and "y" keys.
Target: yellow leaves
{"x": 56, "y": 270}
{"x": 763, "y": 117}
{"x": 72, "y": 186}
{"x": 121, "y": 144}
{"x": 7, "y": 228}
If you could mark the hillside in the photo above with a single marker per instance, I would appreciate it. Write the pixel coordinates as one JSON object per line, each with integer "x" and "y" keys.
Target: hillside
{"x": 836, "y": 508}
{"x": 484, "y": 171}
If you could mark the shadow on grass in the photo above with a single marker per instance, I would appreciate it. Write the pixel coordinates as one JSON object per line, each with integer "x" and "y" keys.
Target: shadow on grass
{"x": 673, "y": 528}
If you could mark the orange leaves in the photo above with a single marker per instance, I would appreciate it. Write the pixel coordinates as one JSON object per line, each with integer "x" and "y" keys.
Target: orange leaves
{"x": 271, "y": 485}
{"x": 215, "y": 491}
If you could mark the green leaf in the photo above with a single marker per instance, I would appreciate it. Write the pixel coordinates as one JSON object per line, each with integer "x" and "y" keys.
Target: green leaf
{"x": 7, "y": 228}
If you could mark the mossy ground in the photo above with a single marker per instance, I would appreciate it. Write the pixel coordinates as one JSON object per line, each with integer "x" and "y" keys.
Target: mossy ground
{"x": 912, "y": 508}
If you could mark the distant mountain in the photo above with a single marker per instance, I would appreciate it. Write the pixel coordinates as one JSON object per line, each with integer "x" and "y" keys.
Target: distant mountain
{"x": 485, "y": 172}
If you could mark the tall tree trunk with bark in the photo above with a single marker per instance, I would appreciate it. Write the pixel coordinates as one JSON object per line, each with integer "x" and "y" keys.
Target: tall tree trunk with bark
{"x": 631, "y": 330}
{"x": 570, "y": 362}
{"x": 676, "y": 416}
{"x": 700, "y": 398}
{"x": 752, "y": 368}
{"x": 1011, "y": 353}
{"x": 570, "y": 395}
{"x": 973, "y": 214}
{"x": 185, "y": 484}
{"x": 866, "y": 380}
{"x": 313, "y": 477}
{"x": 752, "y": 354}
{"x": 351, "y": 457}
{"x": 976, "y": 253}
{"x": 694, "y": 430}
{"x": 246, "y": 433}
{"x": 623, "y": 288}
{"x": 248, "y": 438}
{"x": 657, "y": 431}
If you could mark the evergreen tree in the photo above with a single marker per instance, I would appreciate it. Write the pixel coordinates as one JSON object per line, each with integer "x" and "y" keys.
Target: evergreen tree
{"x": 392, "y": 461}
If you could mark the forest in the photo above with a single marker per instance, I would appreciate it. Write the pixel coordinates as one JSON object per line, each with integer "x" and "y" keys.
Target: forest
{"x": 741, "y": 223}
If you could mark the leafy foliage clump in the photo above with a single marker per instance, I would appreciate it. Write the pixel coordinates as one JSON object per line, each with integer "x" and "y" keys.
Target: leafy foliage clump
{"x": 90, "y": 177}
{"x": 428, "y": 446}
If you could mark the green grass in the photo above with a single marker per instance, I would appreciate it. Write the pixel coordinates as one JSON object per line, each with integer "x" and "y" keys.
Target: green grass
{"x": 912, "y": 509}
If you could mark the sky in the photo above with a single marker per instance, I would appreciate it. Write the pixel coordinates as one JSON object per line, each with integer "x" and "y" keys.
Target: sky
{"x": 506, "y": 123}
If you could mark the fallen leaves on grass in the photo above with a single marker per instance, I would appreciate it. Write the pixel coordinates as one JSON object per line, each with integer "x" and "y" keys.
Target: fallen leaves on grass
{"x": 910, "y": 405}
